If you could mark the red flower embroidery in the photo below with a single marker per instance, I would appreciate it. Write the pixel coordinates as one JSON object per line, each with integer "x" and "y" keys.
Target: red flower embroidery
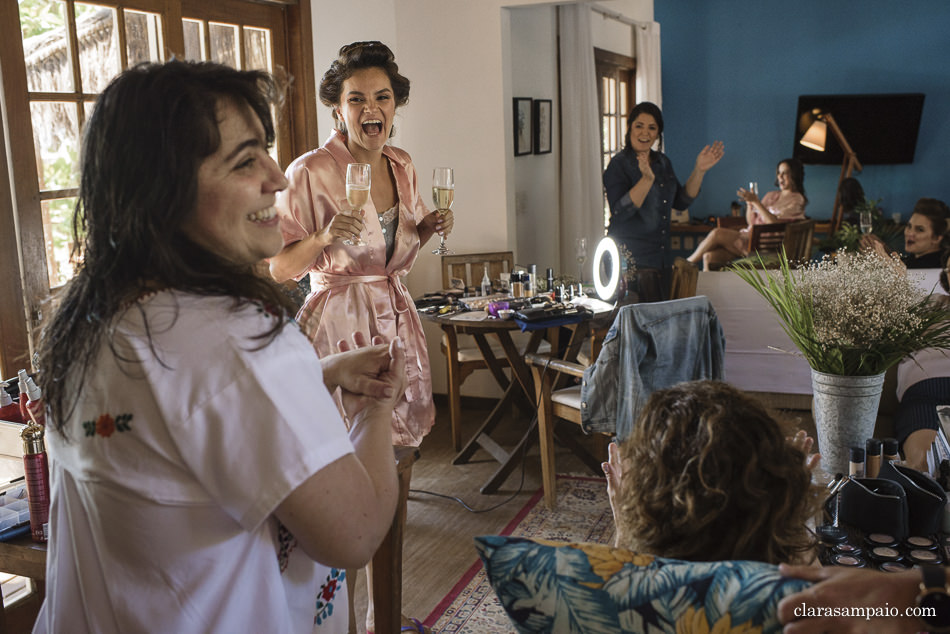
{"x": 329, "y": 590}
{"x": 105, "y": 425}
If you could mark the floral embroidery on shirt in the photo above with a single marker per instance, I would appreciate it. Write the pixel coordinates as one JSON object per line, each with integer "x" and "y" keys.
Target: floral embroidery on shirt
{"x": 106, "y": 425}
{"x": 326, "y": 595}
{"x": 286, "y": 542}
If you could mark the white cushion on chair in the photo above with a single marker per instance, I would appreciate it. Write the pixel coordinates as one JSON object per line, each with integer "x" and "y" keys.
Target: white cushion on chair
{"x": 569, "y": 396}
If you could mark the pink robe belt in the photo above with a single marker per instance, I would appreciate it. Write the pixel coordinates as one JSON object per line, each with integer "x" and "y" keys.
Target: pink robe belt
{"x": 407, "y": 328}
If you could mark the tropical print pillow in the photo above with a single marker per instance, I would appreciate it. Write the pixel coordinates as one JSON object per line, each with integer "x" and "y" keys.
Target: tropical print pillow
{"x": 548, "y": 586}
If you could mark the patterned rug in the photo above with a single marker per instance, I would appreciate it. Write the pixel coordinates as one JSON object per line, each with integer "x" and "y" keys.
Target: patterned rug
{"x": 582, "y": 515}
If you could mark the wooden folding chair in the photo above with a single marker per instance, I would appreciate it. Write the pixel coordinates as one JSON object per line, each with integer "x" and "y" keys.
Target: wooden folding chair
{"x": 685, "y": 279}
{"x": 462, "y": 356}
{"x": 799, "y": 239}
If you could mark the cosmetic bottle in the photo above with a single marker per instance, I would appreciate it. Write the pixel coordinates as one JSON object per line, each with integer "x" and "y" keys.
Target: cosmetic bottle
{"x": 872, "y": 448}
{"x": 856, "y": 465}
{"x": 890, "y": 451}
{"x": 34, "y": 404}
{"x": 517, "y": 287}
{"x": 23, "y": 397}
{"x": 36, "y": 470}
{"x": 550, "y": 276}
{"x": 9, "y": 409}
{"x": 532, "y": 280}
{"x": 486, "y": 282}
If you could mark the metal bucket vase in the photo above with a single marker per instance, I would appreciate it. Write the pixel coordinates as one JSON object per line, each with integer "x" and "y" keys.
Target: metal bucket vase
{"x": 845, "y": 411}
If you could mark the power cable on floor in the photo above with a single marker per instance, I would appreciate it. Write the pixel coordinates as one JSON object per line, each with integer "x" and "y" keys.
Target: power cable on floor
{"x": 524, "y": 455}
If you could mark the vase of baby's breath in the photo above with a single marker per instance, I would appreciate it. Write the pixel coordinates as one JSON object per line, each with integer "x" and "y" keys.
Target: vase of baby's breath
{"x": 851, "y": 317}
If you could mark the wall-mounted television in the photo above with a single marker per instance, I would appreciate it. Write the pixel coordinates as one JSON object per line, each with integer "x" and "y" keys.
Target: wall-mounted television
{"x": 881, "y": 129}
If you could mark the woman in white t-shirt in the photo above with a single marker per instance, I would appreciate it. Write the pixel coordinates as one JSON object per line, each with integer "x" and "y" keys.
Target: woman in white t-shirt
{"x": 202, "y": 479}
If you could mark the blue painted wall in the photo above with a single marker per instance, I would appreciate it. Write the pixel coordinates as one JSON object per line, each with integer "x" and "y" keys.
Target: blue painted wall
{"x": 733, "y": 70}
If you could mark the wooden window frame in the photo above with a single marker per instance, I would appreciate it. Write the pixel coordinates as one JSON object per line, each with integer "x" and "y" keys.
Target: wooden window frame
{"x": 618, "y": 67}
{"x": 24, "y": 281}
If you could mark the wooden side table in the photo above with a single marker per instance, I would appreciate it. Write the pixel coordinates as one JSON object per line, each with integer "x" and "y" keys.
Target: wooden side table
{"x": 26, "y": 558}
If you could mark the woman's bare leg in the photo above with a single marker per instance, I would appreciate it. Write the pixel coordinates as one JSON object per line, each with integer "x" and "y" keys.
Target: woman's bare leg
{"x": 717, "y": 258}
{"x": 718, "y": 238}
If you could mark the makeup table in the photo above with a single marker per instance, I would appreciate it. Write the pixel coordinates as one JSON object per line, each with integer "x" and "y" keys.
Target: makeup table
{"x": 518, "y": 391}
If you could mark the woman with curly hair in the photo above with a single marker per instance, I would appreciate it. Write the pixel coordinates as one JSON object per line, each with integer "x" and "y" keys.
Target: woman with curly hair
{"x": 709, "y": 475}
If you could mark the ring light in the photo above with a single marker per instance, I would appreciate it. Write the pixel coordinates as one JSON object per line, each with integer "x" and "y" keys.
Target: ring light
{"x": 607, "y": 248}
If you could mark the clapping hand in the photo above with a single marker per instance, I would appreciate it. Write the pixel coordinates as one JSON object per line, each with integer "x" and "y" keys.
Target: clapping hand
{"x": 643, "y": 162}
{"x": 709, "y": 156}
{"x": 803, "y": 442}
{"x": 366, "y": 374}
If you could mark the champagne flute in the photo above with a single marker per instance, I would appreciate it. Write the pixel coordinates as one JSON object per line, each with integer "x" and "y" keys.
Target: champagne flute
{"x": 754, "y": 188}
{"x": 580, "y": 252}
{"x": 866, "y": 222}
{"x": 357, "y": 193}
{"x": 443, "y": 194}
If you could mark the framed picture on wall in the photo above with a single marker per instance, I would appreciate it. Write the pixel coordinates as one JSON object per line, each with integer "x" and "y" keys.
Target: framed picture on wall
{"x": 542, "y": 126}
{"x": 522, "y": 126}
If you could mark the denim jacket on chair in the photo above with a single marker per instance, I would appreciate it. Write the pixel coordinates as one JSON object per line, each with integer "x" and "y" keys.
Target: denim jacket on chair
{"x": 649, "y": 347}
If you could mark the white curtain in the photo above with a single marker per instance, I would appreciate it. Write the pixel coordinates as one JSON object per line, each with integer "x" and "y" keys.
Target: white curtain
{"x": 581, "y": 213}
{"x": 646, "y": 42}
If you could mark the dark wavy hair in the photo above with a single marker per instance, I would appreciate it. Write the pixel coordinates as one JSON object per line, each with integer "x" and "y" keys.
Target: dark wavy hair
{"x": 644, "y": 107}
{"x": 357, "y": 56}
{"x": 149, "y": 133}
{"x": 796, "y": 170}
{"x": 937, "y": 212}
{"x": 708, "y": 475}
{"x": 850, "y": 193}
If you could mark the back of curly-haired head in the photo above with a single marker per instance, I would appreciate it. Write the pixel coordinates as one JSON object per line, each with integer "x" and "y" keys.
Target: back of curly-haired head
{"x": 358, "y": 56}
{"x": 708, "y": 475}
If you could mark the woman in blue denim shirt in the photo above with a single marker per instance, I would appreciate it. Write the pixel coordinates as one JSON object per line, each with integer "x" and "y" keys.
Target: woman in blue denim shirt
{"x": 642, "y": 189}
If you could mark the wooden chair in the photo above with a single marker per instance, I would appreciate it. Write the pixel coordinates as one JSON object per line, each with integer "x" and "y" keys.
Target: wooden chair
{"x": 462, "y": 356}
{"x": 556, "y": 402}
{"x": 767, "y": 238}
{"x": 685, "y": 279}
{"x": 469, "y": 267}
{"x": 799, "y": 239}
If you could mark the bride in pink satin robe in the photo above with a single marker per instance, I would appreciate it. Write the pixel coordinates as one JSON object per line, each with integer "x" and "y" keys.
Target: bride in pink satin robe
{"x": 359, "y": 288}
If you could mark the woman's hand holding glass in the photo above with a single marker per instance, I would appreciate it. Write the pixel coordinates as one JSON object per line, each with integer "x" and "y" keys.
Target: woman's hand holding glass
{"x": 357, "y": 193}
{"x": 443, "y": 195}
{"x": 748, "y": 195}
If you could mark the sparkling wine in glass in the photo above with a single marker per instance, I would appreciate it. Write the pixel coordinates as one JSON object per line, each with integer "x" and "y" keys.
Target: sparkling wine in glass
{"x": 754, "y": 187}
{"x": 357, "y": 193}
{"x": 866, "y": 222}
{"x": 580, "y": 252}
{"x": 443, "y": 195}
